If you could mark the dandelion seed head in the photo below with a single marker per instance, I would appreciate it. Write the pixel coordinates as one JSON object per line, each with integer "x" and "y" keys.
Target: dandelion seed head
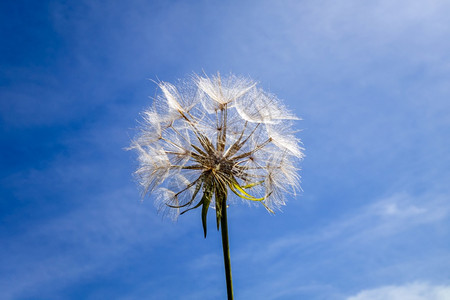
{"x": 217, "y": 136}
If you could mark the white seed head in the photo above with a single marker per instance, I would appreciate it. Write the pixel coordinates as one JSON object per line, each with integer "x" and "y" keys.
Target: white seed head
{"x": 206, "y": 137}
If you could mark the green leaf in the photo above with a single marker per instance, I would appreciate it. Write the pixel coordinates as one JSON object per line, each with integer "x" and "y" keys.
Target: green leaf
{"x": 237, "y": 189}
{"x": 218, "y": 210}
{"x": 219, "y": 202}
{"x": 206, "y": 200}
{"x": 208, "y": 190}
{"x": 197, "y": 205}
{"x": 250, "y": 185}
{"x": 221, "y": 194}
{"x": 197, "y": 189}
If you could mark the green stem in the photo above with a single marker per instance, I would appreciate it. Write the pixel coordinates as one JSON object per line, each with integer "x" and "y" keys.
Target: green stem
{"x": 226, "y": 250}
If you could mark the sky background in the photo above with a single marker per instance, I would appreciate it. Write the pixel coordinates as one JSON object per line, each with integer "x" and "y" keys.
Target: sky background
{"x": 371, "y": 80}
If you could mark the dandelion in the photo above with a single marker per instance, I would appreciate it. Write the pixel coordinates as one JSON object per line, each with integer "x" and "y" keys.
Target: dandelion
{"x": 209, "y": 141}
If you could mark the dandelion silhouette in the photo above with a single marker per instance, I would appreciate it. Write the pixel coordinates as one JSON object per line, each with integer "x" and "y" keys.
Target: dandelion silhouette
{"x": 211, "y": 135}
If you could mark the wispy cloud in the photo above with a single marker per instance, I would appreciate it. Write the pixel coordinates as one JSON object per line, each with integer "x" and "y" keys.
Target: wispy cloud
{"x": 382, "y": 218}
{"x": 411, "y": 291}
{"x": 362, "y": 244}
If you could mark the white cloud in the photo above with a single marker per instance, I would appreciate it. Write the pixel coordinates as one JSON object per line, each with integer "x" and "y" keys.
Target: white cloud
{"x": 380, "y": 220}
{"x": 412, "y": 291}
{"x": 383, "y": 240}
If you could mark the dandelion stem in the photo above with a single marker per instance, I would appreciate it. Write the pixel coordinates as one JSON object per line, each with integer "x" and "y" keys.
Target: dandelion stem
{"x": 226, "y": 250}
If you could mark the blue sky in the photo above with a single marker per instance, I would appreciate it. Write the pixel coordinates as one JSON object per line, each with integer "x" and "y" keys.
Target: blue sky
{"x": 370, "y": 80}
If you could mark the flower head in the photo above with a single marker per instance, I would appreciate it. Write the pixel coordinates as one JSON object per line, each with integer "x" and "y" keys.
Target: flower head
{"x": 212, "y": 135}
